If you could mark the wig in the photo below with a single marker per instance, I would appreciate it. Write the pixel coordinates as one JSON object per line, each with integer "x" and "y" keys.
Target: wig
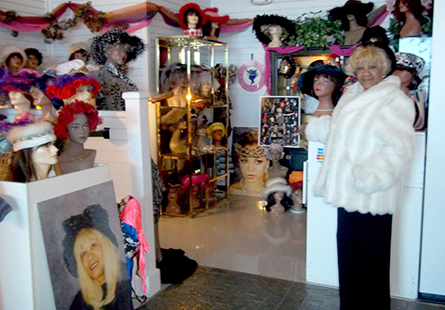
{"x": 67, "y": 85}
{"x": 352, "y": 7}
{"x": 366, "y": 54}
{"x": 414, "y": 6}
{"x": 375, "y": 34}
{"x": 91, "y": 290}
{"x": 187, "y": 9}
{"x": 101, "y": 43}
{"x": 35, "y": 52}
{"x": 67, "y": 113}
{"x": 261, "y": 24}
{"x": 305, "y": 81}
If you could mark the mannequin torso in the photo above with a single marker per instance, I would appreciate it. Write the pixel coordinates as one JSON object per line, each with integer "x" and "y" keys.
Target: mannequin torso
{"x": 355, "y": 32}
{"x": 412, "y": 27}
{"x": 178, "y": 145}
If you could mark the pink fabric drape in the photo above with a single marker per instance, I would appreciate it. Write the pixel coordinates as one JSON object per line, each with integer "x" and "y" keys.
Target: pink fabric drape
{"x": 132, "y": 215}
{"x": 283, "y": 50}
{"x": 236, "y": 25}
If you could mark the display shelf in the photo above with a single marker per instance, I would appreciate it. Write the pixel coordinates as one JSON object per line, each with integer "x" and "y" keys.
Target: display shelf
{"x": 184, "y": 153}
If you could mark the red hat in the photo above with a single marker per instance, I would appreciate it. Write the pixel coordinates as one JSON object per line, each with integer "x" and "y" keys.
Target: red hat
{"x": 212, "y": 15}
{"x": 185, "y": 9}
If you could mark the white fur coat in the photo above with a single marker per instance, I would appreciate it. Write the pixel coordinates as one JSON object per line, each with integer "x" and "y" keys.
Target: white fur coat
{"x": 369, "y": 144}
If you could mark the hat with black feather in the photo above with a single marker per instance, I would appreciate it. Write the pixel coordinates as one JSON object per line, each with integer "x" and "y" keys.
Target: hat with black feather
{"x": 352, "y": 7}
{"x": 261, "y": 24}
{"x": 93, "y": 216}
{"x": 115, "y": 37}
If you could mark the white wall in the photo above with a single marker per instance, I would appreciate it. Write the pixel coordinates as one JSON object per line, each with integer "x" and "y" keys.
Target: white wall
{"x": 243, "y": 45}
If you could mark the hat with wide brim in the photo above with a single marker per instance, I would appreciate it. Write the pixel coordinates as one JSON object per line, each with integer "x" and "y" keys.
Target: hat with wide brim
{"x": 11, "y": 49}
{"x": 93, "y": 216}
{"x": 212, "y": 15}
{"x": 353, "y": 7}
{"x": 306, "y": 80}
{"x": 184, "y": 9}
{"x": 410, "y": 61}
{"x": 272, "y": 19}
{"x": 277, "y": 185}
{"x": 28, "y": 136}
{"x": 113, "y": 37}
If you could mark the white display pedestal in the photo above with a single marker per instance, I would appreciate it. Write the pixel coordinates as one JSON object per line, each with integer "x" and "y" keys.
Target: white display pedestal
{"x": 25, "y": 281}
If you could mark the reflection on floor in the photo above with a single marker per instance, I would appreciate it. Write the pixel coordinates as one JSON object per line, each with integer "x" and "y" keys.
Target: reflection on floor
{"x": 216, "y": 289}
{"x": 243, "y": 237}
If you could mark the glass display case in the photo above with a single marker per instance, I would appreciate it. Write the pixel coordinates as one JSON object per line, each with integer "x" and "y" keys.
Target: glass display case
{"x": 192, "y": 122}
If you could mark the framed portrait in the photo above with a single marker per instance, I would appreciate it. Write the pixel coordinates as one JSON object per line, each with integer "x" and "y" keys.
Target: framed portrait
{"x": 84, "y": 248}
{"x": 280, "y": 120}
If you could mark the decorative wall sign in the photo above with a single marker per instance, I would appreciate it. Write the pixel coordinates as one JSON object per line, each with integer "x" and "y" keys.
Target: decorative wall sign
{"x": 251, "y": 75}
{"x": 280, "y": 120}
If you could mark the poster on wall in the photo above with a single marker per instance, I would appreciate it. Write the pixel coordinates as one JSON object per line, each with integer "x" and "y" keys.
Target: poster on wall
{"x": 280, "y": 120}
{"x": 84, "y": 249}
{"x": 250, "y": 163}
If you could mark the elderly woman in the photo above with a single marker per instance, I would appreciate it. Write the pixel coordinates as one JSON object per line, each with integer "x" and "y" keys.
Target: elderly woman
{"x": 369, "y": 143}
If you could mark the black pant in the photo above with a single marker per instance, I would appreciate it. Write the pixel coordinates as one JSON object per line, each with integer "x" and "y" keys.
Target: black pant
{"x": 364, "y": 251}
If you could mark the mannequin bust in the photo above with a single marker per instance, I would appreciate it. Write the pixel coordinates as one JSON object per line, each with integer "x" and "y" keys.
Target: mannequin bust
{"x": 173, "y": 80}
{"x": 46, "y": 106}
{"x": 114, "y": 50}
{"x": 212, "y": 27}
{"x": 277, "y": 196}
{"x": 34, "y": 152}
{"x": 173, "y": 208}
{"x": 74, "y": 124}
{"x": 216, "y": 132}
{"x": 297, "y": 200}
{"x": 178, "y": 144}
{"x": 409, "y": 12}
{"x": 355, "y": 32}
{"x": 275, "y": 153}
{"x": 275, "y": 32}
{"x": 22, "y": 102}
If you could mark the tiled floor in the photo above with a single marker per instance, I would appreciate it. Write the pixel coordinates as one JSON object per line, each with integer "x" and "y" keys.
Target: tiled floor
{"x": 249, "y": 259}
{"x": 216, "y": 289}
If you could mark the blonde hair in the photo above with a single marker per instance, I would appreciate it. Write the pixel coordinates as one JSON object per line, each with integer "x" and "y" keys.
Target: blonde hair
{"x": 363, "y": 55}
{"x": 92, "y": 292}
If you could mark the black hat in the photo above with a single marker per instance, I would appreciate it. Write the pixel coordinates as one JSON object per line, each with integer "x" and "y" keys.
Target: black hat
{"x": 273, "y": 19}
{"x": 306, "y": 80}
{"x": 353, "y": 7}
{"x": 93, "y": 216}
{"x": 112, "y": 37}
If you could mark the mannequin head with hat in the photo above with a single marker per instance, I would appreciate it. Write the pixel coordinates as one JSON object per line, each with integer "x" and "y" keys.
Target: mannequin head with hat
{"x": 277, "y": 195}
{"x": 191, "y": 19}
{"x": 410, "y": 12}
{"x": 409, "y": 68}
{"x": 13, "y": 58}
{"x": 272, "y": 29}
{"x": 212, "y": 27}
{"x": 34, "y": 151}
{"x": 353, "y": 16}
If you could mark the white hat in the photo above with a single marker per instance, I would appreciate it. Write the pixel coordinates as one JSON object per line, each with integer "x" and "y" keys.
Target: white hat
{"x": 79, "y": 46}
{"x": 28, "y": 136}
{"x": 8, "y": 50}
{"x": 277, "y": 185}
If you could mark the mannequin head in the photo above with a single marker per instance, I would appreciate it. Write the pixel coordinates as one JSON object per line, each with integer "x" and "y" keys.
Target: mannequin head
{"x": 352, "y": 11}
{"x": 322, "y": 80}
{"x": 277, "y": 192}
{"x": 113, "y": 45}
{"x": 75, "y": 122}
{"x": 212, "y": 28}
{"x": 79, "y": 51}
{"x": 12, "y": 58}
{"x": 216, "y": 131}
{"x": 173, "y": 76}
{"x": 34, "y": 151}
{"x": 401, "y": 7}
{"x": 34, "y": 58}
{"x": 191, "y": 16}
{"x": 274, "y": 152}
{"x": 272, "y": 28}
{"x": 17, "y": 86}
{"x": 409, "y": 68}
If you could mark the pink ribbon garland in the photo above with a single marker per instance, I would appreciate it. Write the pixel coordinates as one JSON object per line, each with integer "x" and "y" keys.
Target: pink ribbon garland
{"x": 132, "y": 215}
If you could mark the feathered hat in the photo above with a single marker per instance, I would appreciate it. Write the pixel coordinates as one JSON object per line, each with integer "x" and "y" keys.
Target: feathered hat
{"x": 11, "y": 49}
{"x": 20, "y": 81}
{"x": 93, "y": 216}
{"x": 28, "y": 136}
{"x": 67, "y": 113}
{"x": 183, "y": 11}
{"x": 67, "y": 85}
{"x": 113, "y": 37}
{"x": 274, "y": 146}
{"x": 352, "y": 7}
{"x": 277, "y": 185}
{"x": 261, "y": 22}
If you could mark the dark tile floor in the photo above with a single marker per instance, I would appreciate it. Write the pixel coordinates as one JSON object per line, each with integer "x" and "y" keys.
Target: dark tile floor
{"x": 217, "y": 289}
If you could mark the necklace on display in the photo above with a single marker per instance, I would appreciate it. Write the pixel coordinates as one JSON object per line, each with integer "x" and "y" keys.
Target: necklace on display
{"x": 245, "y": 190}
{"x": 77, "y": 159}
